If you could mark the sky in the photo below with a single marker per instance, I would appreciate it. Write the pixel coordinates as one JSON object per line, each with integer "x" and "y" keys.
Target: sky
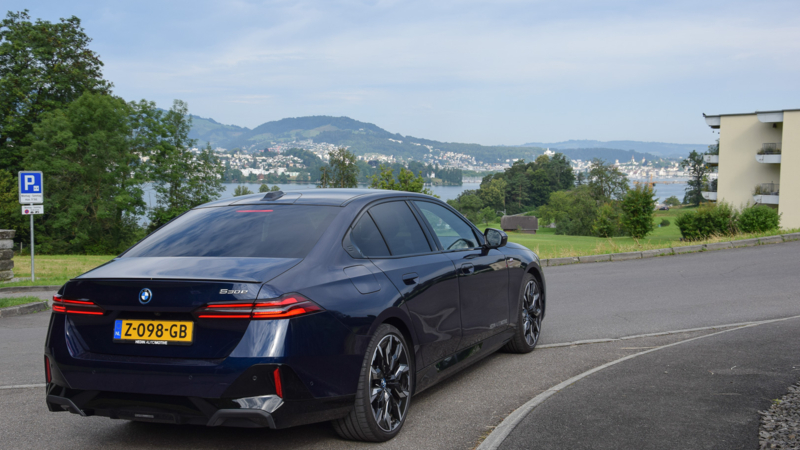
{"x": 501, "y": 72}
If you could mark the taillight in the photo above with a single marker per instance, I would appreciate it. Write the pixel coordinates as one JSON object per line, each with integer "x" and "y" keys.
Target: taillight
{"x": 47, "y": 373}
{"x": 290, "y": 305}
{"x": 67, "y": 306}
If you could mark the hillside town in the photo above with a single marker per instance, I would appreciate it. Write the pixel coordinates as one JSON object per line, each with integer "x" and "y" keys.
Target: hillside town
{"x": 273, "y": 160}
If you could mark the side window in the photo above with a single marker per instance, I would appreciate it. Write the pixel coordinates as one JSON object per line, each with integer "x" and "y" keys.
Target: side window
{"x": 452, "y": 231}
{"x": 367, "y": 239}
{"x": 400, "y": 228}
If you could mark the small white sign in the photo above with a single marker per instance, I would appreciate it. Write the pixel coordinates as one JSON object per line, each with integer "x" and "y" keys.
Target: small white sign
{"x": 32, "y": 209}
{"x": 31, "y": 187}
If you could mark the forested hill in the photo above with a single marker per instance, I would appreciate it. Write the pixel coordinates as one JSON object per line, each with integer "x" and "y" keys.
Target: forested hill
{"x": 363, "y": 137}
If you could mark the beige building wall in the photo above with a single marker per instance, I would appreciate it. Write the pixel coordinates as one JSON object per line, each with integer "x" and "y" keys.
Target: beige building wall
{"x": 789, "y": 203}
{"x": 740, "y": 139}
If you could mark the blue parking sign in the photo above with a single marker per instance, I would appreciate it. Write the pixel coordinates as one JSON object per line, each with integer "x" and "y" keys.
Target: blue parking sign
{"x": 31, "y": 188}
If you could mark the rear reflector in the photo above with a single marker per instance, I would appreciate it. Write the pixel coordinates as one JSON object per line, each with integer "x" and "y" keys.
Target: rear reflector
{"x": 69, "y": 306}
{"x": 47, "y": 374}
{"x": 277, "y": 376}
{"x": 290, "y": 305}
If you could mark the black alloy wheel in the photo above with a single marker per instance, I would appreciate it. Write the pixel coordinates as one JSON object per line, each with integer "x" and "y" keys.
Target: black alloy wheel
{"x": 384, "y": 390}
{"x": 529, "y": 325}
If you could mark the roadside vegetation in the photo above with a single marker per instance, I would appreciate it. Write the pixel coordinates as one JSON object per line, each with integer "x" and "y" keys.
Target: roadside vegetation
{"x": 15, "y": 301}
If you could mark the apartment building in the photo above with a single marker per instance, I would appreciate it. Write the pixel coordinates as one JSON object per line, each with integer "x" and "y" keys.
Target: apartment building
{"x": 758, "y": 161}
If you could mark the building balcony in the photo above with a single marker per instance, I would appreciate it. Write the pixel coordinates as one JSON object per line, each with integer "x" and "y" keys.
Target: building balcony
{"x": 710, "y": 196}
{"x": 766, "y": 194}
{"x": 709, "y": 191}
{"x": 769, "y": 154}
{"x": 711, "y": 160}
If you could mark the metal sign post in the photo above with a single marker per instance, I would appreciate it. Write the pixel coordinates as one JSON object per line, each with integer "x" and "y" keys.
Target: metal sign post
{"x": 31, "y": 190}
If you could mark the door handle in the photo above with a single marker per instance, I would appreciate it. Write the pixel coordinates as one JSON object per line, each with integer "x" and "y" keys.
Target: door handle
{"x": 410, "y": 278}
{"x": 467, "y": 269}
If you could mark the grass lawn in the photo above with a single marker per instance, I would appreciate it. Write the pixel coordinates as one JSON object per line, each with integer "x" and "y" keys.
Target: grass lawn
{"x": 54, "y": 269}
{"x": 14, "y": 301}
{"x": 57, "y": 269}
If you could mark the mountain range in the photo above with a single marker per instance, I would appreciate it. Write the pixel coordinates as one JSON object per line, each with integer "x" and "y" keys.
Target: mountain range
{"x": 363, "y": 137}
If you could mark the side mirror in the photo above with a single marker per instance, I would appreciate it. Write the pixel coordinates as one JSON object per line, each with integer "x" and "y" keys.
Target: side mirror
{"x": 495, "y": 238}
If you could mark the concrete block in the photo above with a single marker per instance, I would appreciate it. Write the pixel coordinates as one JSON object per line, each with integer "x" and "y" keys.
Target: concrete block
{"x": 6, "y": 275}
{"x": 718, "y": 245}
{"x": 561, "y": 261}
{"x": 6, "y": 243}
{"x": 543, "y": 262}
{"x": 7, "y": 234}
{"x": 6, "y": 264}
{"x": 656, "y": 252}
{"x": 791, "y": 237}
{"x": 594, "y": 258}
{"x": 626, "y": 256}
{"x": 745, "y": 243}
{"x": 687, "y": 249}
{"x": 6, "y": 254}
{"x": 770, "y": 240}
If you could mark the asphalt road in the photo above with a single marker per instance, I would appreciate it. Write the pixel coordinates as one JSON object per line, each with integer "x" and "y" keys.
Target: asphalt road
{"x": 700, "y": 394}
{"x": 586, "y": 301}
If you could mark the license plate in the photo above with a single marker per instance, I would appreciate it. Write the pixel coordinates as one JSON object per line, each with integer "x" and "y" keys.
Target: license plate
{"x": 153, "y": 332}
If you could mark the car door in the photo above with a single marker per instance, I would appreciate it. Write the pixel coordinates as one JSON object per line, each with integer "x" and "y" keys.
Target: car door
{"x": 390, "y": 235}
{"x": 482, "y": 274}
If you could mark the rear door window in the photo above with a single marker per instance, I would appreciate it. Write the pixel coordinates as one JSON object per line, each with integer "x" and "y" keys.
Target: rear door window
{"x": 366, "y": 237}
{"x": 400, "y": 228}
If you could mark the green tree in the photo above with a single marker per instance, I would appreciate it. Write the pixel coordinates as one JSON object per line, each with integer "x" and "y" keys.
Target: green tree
{"x": 406, "y": 181}
{"x": 43, "y": 67}
{"x": 243, "y": 190}
{"x": 672, "y": 201}
{"x": 638, "y": 211}
{"x": 469, "y": 204}
{"x": 341, "y": 171}
{"x": 573, "y": 211}
{"x": 698, "y": 170}
{"x": 263, "y": 188}
{"x": 606, "y": 182}
{"x": 493, "y": 194}
{"x": 486, "y": 215}
{"x": 182, "y": 179}
{"x": 93, "y": 182}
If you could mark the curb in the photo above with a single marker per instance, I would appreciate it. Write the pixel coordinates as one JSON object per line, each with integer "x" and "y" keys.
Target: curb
{"x": 16, "y": 289}
{"x": 777, "y": 239}
{"x": 24, "y": 309}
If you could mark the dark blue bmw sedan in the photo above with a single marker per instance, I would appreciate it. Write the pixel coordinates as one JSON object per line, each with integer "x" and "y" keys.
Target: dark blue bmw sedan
{"x": 284, "y": 309}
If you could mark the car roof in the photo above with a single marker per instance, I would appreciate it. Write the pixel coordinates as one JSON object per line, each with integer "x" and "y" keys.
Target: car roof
{"x": 323, "y": 197}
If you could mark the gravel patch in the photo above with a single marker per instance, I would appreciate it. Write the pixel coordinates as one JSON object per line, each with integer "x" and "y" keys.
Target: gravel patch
{"x": 780, "y": 425}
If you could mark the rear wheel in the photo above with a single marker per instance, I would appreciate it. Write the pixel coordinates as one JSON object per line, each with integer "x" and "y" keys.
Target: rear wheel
{"x": 530, "y": 317}
{"x": 384, "y": 390}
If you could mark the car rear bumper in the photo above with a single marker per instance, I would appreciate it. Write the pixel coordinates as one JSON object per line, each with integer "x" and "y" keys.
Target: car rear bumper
{"x": 273, "y": 412}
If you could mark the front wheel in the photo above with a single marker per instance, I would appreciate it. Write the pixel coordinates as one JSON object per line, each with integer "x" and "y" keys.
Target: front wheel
{"x": 384, "y": 390}
{"x": 529, "y": 322}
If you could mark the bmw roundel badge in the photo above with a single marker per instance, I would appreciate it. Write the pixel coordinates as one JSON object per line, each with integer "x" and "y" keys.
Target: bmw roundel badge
{"x": 145, "y": 295}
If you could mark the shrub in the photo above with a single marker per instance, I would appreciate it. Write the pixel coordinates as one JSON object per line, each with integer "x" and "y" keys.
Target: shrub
{"x": 637, "y": 211}
{"x": 573, "y": 211}
{"x": 607, "y": 223}
{"x": 672, "y": 201}
{"x": 708, "y": 221}
{"x": 664, "y": 223}
{"x": 758, "y": 219}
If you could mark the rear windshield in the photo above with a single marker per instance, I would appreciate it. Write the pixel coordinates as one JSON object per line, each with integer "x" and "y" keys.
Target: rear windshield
{"x": 275, "y": 231}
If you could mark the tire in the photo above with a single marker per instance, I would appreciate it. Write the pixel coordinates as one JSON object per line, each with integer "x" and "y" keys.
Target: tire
{"x": 531, "y": 310}
{"x": 382, "y": 402}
